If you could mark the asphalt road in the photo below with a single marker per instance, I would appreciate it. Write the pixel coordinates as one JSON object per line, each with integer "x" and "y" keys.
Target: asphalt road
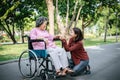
{"x": 104, "y": 62}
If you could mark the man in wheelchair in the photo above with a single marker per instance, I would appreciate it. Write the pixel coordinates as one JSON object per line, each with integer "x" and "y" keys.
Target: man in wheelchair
{"x": 58, "y": 54}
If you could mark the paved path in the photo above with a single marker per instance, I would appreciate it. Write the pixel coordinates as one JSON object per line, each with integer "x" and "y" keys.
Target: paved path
{"x": 104, "y": 62}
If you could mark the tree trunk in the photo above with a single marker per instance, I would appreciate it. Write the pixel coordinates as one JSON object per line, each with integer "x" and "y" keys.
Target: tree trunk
{"x": 9, "y": 32}
{"x": 106, "y": 25}
{"x": 105, "y": 28}
{"x": 59, "y": 21}
{"x": 116, "y": 34}
{"x": 50, "y": 7}
{"x": 73, "y": 17}
{"x": 13, "y": 39}
{"x": 78, "y": 14}
{"x": 83, "y": 27}
{"x": 67, "y": 14}
{"x": 117, "y": 27}
{"x": 22, "y": 35}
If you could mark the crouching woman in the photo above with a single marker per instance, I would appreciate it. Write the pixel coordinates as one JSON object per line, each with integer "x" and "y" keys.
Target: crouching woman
{"x": 78, "y": 54}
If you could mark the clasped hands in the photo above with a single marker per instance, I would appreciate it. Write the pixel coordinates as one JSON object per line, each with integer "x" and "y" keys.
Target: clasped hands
{"x": 59, "y": 37}
{"x": 64, "y": 38}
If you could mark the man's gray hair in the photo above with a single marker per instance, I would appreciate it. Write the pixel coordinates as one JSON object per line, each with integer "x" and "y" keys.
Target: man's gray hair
{"x": 41, "y": 20}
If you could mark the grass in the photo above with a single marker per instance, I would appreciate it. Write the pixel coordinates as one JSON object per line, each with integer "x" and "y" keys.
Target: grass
{"x": 13, "y": 51}
{"x": 98, "y": 41}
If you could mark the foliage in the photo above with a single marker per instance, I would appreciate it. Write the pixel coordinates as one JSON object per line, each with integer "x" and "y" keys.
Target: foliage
{"x": 16, "y": 14}
{"x": 21, "y": 14}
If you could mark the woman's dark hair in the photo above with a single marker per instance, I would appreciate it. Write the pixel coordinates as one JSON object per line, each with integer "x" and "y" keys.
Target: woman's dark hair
{"x": 79, "y": 34}
{"x": 40, "y": 21}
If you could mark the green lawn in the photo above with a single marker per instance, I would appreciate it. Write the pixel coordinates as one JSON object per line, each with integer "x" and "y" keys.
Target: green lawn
{"x": 13, "y": 51}
{"x": 98, "y": 41}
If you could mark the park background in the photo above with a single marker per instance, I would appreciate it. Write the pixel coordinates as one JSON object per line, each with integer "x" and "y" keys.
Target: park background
{"x": 99, "y": 21}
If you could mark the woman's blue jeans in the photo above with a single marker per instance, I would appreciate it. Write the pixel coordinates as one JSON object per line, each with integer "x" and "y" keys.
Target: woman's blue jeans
{"x": 79, "y": 68}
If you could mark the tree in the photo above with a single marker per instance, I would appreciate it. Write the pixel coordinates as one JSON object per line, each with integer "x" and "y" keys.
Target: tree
{"x": 116, "y": 8}
{"x": 63, "y": 14}
{"x": 88, "y": 13}
{"x": 108, "y": 5}
{"x": 6, "y": 8}
{"x": 4, "y": 11}
{"x": 80, "y": 9}
{"x": 50, "y": 7}
{"x": 13, "y": 14}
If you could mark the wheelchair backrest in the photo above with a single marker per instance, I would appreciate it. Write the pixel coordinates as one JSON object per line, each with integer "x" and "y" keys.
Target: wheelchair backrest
{"x": 29, "y": 44}
{"x": 39, "y": 53}
{"x": 34, "y": 40}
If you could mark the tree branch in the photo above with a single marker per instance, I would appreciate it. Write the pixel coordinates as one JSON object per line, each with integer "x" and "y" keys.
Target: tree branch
{"x": 67, "y": 14}
{"x": 87, "y": 23}
{"x": 5, "y": 27}
{"x": 73, "y": 17}
{"x": 78, "y": 14}
{"x": 9, "y": 10}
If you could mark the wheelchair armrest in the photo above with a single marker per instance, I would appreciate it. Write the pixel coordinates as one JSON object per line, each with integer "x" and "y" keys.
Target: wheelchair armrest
{"x": 37, "y": 40}
{"x": 41, "y": 40}
{"x": 56, "y": 39}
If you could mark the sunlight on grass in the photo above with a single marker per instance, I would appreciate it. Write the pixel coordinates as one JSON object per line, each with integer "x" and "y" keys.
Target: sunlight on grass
{"x": 13, "y": 51}
{"x": 98, "y": 41}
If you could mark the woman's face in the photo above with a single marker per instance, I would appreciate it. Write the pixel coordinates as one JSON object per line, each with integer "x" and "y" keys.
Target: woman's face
{"x": 72, "y": 33}
{"x": 43, "y": 26}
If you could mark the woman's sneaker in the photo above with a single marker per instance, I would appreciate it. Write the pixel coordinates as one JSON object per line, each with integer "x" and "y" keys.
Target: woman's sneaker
{"x": 87, "y": 71}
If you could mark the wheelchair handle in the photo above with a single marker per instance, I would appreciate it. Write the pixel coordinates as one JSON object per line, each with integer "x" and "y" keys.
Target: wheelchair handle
{"x": 38, "y": 40}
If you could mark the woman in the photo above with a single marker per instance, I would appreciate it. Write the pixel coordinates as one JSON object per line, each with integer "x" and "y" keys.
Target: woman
{"x": 78, "y": 54}
{"x": 57, "y": 54}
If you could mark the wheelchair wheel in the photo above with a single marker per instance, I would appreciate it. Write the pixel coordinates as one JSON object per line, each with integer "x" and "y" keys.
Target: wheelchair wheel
{"x": 43, "y": 74}
{"x": 48, "y": 73}
{"x": 28, "y": 64}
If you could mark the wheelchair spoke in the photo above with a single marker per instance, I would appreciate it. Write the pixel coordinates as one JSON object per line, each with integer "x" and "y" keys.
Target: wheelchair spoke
{"x": 27, "y": 66}
{"x": 30, "y": 67}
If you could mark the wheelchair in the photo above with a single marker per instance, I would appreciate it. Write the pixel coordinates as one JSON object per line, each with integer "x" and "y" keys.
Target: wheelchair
{"x": 34, "y": 63}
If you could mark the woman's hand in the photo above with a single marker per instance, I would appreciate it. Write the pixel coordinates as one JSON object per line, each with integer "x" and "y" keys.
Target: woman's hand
{"x": 57, "y": 37}
{"x": 61, "y": 37}
{"x": 42, "y": 38}
{"x": 46, "y": 40}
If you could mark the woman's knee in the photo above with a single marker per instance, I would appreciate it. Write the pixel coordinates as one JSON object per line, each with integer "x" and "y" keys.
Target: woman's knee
{"x": 79, "y": 67}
